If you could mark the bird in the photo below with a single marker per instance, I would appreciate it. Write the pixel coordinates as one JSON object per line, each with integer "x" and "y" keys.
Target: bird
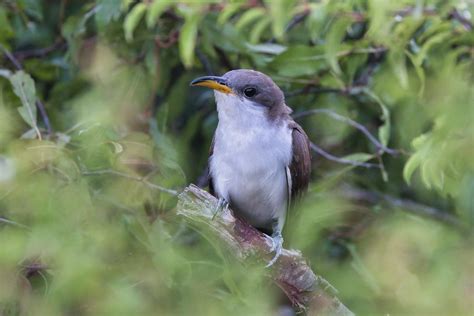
{"x": 259, "y": 160}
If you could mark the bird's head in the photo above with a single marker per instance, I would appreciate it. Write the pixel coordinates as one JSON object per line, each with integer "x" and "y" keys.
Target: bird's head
{"x": 246, "y": 90}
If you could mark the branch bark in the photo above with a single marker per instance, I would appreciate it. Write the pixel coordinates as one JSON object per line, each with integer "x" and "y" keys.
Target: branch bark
{"x": 307, "y": 291}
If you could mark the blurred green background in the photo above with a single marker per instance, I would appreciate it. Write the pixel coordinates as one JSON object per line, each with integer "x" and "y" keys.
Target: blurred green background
{"x": 97, "y": 118}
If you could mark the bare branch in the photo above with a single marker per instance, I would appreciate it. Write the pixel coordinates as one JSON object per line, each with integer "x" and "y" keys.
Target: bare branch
{"x": 306, "y": 290}
{"x": 131, "y": 177}
{"x": 10, "y": 222}
{"x": 311, "y": 90}
{"x": 59, "y": 44}
{"x": 331, "y": 157}
{"x": 11, "y": 58}
{"x": 204, "y": 61}
{"x": 404, "y": 204}
{"x": 352, "y": 123}
{"x": 456, "y": 15}
{"x": 44, "y": 116}
{"x": 223, "y": 58}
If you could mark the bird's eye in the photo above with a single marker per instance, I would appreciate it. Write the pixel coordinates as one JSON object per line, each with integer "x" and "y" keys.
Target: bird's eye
{"x": 250, "y": 92}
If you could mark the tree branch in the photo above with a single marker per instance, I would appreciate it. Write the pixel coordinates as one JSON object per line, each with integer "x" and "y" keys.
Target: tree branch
{"x": 456, "y": 15}
{"x": 4, "y": 220}
{"x": 313, "y": 90}
{"x": 331, "y": 157}
{"x": 306, "y": 290}
{"x": 206, "y": 64}
{"x": 348, "y": 121}
{"x": 406, "y": 205}
{"x": 59, "y": 44}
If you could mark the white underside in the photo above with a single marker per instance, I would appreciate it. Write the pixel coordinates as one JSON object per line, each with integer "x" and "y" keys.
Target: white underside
{"x": 250, "y": 160}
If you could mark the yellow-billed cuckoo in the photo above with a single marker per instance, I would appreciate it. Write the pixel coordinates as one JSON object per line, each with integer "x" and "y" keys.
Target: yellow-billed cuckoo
{"x": 259, "y": 157}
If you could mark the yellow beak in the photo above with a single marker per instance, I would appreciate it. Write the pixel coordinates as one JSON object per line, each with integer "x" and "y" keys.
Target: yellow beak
{"x": 213, "y": 82}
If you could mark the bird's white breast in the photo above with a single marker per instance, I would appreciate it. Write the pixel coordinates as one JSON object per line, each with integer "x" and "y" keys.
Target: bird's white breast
{"x": 249, "y": 161}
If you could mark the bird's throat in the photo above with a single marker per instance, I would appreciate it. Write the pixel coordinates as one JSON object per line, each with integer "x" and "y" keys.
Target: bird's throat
{"x": 240, "y": 113}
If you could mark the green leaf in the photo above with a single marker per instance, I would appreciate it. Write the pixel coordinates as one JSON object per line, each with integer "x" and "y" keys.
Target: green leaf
{"x": 259, "y": 28}
{"x": 108, "y": 10}
{"x": 359, "y": 157}
{"x": 385, "y": 129}
{"x": 228, "y": 12}
{"x": 299, "y": 60}
{"x": 155, "y": 11}
{"x": 34, "y": 9}
{"x": 73, "y": 29}
{"x": 248, "y": 17}
{"x": 400, "y": 37}
{"x": 6, "y": 31}
{"x": 267, "y": 48}
{"x": 430, "y": 43}
{"x": 124, "y": 4}
{"x": 415, "y": 160}
{"x": 380, "y": 21}
{"x": 41, "y": 68}
{"x": 137, "y": 229}
{"x": 224, "y": 37}
{"x": 281, "y": 12}
{"x": 316, "y": 19}
{"x": 419, "y": 72}
{"x": 24, "y": 88}
{"x": 187, "y": 38}
{"x": 396, "y": 59}
{"x": 132, "y": 20}
{"x": 333, "y": 43}
{"x": 29, "y": 134}
{"x": 352, "y": 64}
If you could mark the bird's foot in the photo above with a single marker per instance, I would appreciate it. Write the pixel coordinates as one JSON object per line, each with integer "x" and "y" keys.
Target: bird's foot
{"x": 277, "y": 247}
{"x": 222, "y": 205}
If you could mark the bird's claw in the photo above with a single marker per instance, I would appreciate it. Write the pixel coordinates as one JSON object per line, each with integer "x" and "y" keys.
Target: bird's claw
{"x": 277, "y": 247}
{"x": 222, "y": 204}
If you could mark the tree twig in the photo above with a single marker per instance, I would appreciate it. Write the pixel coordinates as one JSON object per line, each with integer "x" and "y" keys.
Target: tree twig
{"x": 38, "y": 103}
{"x": 205, "y": 62}
{"x": 312, "y": 90}
{"x": 11, "y": 58}
{"x": 307, "y": 291}
{"x": 10, "y": 222}
{"x": 352, "y": 123}
{"x": 224, "y": 60}
{"x": 131, "y": 177}
{"x": 44, "y": 116}
{"x": 331, "y": 157}
{"x": 456, "y": 15}
{"x": 404, "y": 204}
{"x": 41, "y": 52}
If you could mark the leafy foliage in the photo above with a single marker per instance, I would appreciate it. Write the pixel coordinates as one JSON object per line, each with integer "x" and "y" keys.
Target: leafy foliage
{"x": 99, "y": 129}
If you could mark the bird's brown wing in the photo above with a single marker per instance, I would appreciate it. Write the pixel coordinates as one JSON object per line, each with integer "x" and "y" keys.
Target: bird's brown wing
{"x": 211, "y": 151}
{"x": 300, "y": 166}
